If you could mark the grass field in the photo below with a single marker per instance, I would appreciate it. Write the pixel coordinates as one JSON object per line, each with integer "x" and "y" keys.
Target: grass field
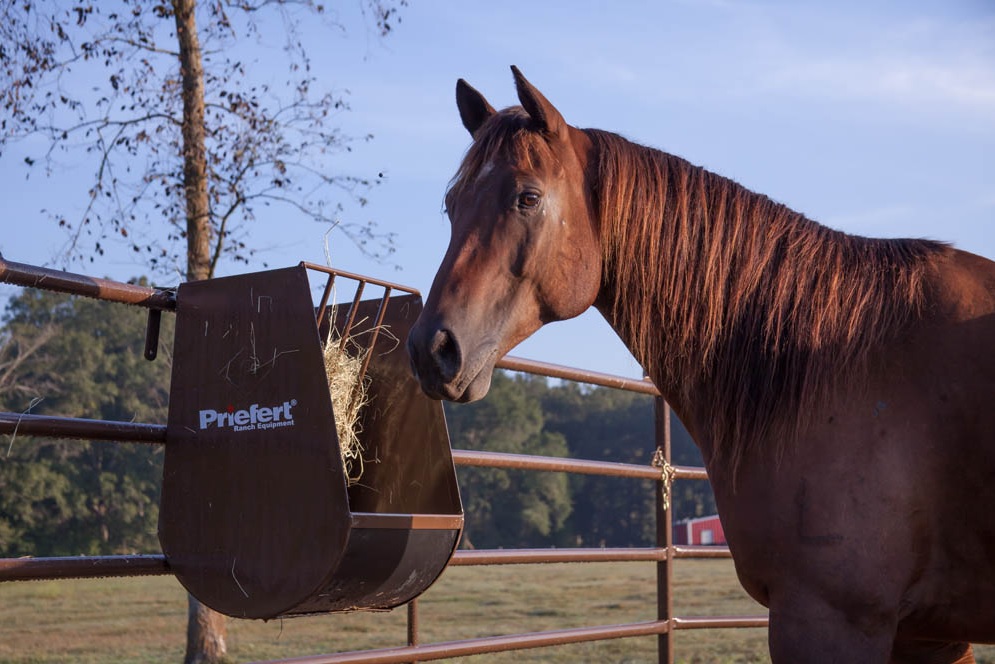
{"x": 118, "y": 621}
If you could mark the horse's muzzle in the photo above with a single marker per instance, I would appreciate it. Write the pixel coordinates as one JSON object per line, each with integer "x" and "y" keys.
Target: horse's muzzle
{"x": 437, "y": 361}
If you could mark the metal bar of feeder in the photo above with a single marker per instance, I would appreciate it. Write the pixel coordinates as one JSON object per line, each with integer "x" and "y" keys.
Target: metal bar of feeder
{"x": 375, "y": 332}
{"x": 359, "y": 277}
{"x": 381, "y": 312}
{"x": 352, "y": 314}
{"x": 324, "y": 298}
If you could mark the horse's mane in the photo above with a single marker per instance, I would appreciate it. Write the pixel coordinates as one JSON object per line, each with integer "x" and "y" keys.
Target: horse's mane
{"x": 716, "y": 286}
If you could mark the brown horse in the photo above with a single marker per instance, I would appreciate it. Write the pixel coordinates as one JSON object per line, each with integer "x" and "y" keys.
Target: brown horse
{"x": 840, "y": 388}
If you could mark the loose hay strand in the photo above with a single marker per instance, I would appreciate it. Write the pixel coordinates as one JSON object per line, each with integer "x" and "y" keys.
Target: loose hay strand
{"x": 348, "y": 390}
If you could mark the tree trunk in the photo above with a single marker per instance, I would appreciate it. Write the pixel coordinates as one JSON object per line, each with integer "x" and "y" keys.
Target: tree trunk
{"x": 206, "y": 629}
{"x": 194, "y": 153}
{"x": 206, "y": 632}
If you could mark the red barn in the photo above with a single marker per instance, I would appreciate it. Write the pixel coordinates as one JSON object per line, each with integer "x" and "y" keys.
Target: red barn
{"x": 703, "y": 530}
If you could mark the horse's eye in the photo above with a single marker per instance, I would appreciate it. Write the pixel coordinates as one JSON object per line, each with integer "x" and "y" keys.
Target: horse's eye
{"x": 528, "y": 200}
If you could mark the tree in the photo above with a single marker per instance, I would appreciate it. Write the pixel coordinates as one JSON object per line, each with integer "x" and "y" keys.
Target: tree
{"x": 186, "y": 135}
{"x": 179, "y": 133}
{"x": 71, "y": 497}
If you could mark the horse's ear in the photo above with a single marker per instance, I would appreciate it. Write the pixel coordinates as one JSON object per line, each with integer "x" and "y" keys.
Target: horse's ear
{"x": 537, "y": 106}
{"x": 473, "y": 108}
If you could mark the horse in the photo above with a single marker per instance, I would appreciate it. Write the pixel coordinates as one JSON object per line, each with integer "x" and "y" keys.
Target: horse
{"x": 839, "y": 387}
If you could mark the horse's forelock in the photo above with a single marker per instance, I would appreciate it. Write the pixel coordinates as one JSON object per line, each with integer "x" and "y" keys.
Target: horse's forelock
{"x": 507, "y": 136}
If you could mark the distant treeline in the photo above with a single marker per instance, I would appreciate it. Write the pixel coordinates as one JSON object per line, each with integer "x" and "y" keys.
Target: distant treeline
{"x": 83, "y": 358}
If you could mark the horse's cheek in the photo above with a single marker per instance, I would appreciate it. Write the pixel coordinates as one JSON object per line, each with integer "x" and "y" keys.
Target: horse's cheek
{"x": 581, "y": 272}
{"x": 573, "y": 289}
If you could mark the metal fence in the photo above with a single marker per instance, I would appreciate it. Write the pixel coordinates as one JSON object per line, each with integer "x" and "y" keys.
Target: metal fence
{"x": 661, "y": 471}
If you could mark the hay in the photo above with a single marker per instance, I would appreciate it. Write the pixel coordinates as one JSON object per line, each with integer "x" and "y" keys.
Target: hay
{"x": 348, "y": 391}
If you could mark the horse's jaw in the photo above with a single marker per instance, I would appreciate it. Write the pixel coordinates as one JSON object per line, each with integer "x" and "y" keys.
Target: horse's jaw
{"x": 463, "y": 390}
{"x": 476, "y": 389}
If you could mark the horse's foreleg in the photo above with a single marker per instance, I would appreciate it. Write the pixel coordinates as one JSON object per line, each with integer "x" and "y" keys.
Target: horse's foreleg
{"x": 927, "y": 652}
{"x": 807, "y": 629}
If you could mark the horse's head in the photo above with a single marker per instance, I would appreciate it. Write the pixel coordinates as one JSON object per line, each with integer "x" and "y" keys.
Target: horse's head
{"x": 524, "y": 244}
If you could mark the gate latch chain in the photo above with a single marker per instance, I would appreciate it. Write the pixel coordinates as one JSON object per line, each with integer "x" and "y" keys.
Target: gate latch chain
{"x": 667, "y": 474}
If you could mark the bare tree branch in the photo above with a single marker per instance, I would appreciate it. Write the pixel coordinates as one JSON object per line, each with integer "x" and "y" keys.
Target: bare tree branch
{"x": 128, "y": 127}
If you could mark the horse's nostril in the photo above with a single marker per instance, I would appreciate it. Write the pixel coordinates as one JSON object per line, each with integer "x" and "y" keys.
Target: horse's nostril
{"x": 445, "y": 353}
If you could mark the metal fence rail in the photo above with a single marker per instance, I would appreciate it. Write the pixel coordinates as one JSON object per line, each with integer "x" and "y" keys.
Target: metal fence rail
{"x": 486, "y": 645}
{"x": 662, "y": 473}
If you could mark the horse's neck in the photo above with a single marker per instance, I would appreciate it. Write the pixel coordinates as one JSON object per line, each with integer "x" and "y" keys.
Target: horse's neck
{"x": 684, "y": 250}
{"x": 733, "y": 303}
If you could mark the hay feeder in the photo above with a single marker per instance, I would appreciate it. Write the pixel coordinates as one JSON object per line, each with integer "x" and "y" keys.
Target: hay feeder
{"x": 259, "y": 516}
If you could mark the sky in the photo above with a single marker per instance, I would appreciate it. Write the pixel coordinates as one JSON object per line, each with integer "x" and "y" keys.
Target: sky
{"x": 876, "y": 118}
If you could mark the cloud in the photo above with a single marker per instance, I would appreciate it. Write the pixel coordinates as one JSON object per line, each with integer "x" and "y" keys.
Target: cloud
{"x": 893, "y": 78}
{"x": 932, "y": 63}
{"x": 713, "y": 52}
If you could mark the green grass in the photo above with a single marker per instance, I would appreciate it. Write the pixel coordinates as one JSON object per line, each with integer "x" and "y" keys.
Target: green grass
{"x": 119, "y": 621}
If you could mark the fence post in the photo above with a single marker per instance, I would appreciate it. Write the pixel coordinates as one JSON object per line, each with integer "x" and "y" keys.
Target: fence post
{"x": 413, "y": 622}
{"x": 664, "y": 535}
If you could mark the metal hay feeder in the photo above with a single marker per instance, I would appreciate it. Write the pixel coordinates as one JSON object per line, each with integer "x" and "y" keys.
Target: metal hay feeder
{"x": 256, "y": 517}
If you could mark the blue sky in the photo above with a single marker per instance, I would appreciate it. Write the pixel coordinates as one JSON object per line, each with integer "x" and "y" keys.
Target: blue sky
{"x": 877, "y": 118}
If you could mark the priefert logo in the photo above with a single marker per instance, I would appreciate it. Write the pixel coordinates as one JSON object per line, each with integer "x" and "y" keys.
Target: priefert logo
{"x": 249, "y": 419}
